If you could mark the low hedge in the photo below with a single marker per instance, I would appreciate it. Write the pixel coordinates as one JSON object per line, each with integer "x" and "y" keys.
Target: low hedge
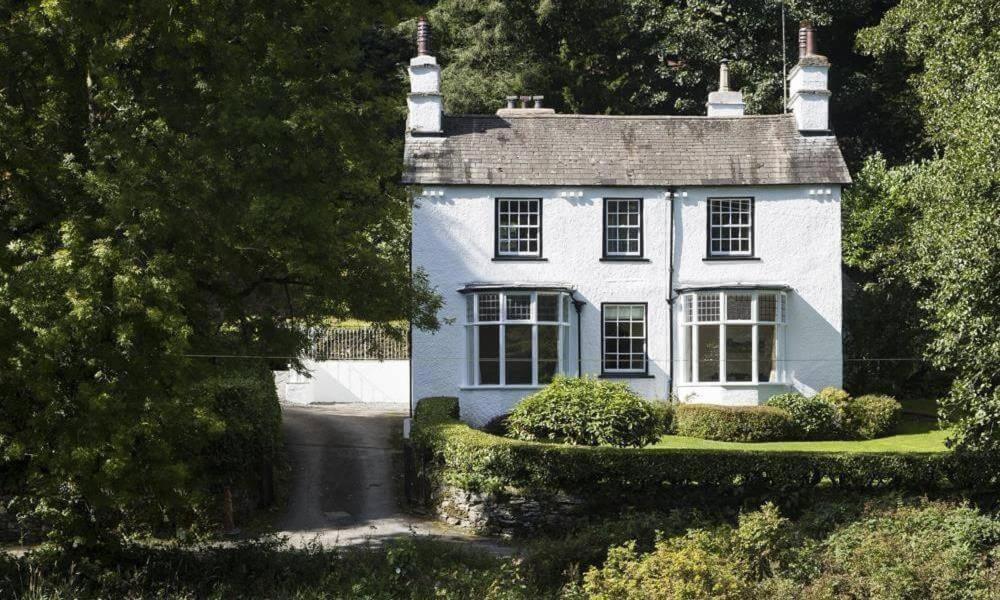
{"x": 732, "y": 423}
{"x": 813, "y": 418}
{"x": 450, "y": 452}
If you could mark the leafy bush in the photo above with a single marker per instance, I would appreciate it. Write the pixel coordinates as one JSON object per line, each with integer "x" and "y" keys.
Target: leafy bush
{"x": 732, "y": 423}
{"x": 586, "y": 411}
{"x": 929, "y": 551}
{"x": 871, "y": 416}
{"x": 246, "y": 440}
{"x": 665, "y": 412}
{"x": 834, "y": 396}
{"x": 451, "y": 452}
{"x": 682, "y": 567}
{"x": 813, "y": 418}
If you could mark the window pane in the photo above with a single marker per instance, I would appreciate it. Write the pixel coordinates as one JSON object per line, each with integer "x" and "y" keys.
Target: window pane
{"x": 623, "y": 226}
{"x": 738, "y": 307}
{"x": 489, "y": 354}
{"x": 730, "y": 226}
{"x": 489, "y": 307}
{"x": 548, "y": 307}
{"x": 624, "y": 337}
{"x": 767, "y": 348}
{"x": 708, "y": 307}
{"x": 518, "y": 307}
{"x": 687, "y": 360}
{"x": 708, "y": 353}
{"x": 766, "y": 307}
{"x": 548, "y": 352}
{"x": 565, "y": 313}
{"x": 739, "y": 353}
{"x": 518, "y": 227}
{"x": 517, "y": 353}
{"x": 469, "y": 300}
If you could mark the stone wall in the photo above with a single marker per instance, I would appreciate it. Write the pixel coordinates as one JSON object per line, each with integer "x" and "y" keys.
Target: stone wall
{"x": 505, "y": 514}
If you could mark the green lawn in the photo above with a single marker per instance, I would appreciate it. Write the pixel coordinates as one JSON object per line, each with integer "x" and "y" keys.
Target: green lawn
{"x": 913, "y": 435}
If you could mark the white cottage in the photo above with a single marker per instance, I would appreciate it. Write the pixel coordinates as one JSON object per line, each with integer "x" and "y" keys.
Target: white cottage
{"x": 695, "y": 256}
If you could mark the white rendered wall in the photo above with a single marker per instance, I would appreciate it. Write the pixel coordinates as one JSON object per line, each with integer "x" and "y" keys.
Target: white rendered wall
{"x": 797, "y": 243}
{"x": 453, "y": 239}
{"x": 797, "y": 239}
{"x": 352, "y": 381}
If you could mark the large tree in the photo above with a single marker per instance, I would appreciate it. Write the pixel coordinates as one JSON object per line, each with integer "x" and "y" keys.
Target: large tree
{"x": 181, "y": 180}
{"x": 656, "y": 57}
{"x": 932, "y": 225}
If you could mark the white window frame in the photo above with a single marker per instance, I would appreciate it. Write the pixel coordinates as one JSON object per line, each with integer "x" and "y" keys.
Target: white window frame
{"x": 714, "y": 230}
{"x": 473, "y": 375}
{"x": 689, "y": 341}
{"x": 644, "y": 370}
{"x": 537, "y": 227}
{"x": 608, "y": 253}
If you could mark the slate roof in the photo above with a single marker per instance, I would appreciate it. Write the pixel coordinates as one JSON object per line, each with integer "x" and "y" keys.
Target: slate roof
{"x": 623, "y": 151}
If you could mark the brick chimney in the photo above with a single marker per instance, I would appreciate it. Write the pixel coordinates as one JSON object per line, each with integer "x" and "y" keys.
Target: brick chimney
{"x": 808, "y": 87}
{"x": 424, "y": 103}
{"x": 725, "y": 103}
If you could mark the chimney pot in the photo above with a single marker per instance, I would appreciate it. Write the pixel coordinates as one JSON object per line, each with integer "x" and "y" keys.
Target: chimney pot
{"x": 538, "y": 101}
{"x": 423, "y": 37}
{"x": 806, "y": 41}
{"x": 511, "y": 101}
{"x": 724, "y": 75}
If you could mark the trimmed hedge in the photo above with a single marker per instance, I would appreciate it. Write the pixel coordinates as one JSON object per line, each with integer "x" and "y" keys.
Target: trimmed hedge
{"x": 588, "y": 412}
{"x": 451, "y": 452}
{"x": 815, "y": 418}
{"x": 872, "y": 416}
{"x": 732, "y": 423}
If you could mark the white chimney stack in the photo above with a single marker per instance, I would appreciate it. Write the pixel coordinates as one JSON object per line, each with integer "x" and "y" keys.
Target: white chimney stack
{"x": 808, "y": 87}
{"x": 725, "y": 103}
{"x": 424, "y": 103}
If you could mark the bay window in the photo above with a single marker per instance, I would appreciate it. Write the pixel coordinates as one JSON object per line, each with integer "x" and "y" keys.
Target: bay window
{"x": 516, "y": 337}
{"x": 733, "y": 336}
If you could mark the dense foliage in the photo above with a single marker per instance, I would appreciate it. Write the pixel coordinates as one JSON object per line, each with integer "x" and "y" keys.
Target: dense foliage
{"x": 179, "y": 180}
{"x": 732, "y": 423}
{"x": 586, "y": 411}
{"x": 451, "y": 452}
{"x": 912, "y": 551}
{"x": 882, "y": 548}
{"x": 654, "y": 57}
{"x": 925, "y": 231}
{"x": 813, "y": 417}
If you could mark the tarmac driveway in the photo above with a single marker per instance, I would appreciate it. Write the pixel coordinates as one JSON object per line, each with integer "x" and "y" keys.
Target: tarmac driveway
{"x": 347, "y": 476}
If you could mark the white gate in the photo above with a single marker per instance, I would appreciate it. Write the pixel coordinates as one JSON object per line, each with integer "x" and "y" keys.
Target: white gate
{"x": 351, "y": 365}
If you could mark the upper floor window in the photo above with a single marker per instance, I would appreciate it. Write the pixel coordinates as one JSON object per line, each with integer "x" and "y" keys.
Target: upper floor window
{"x": 733, "y": 336}
{"x": 730, "y": 226}
{"x": 623, "y": 227}
{"x": 519, "y": 227}
{"x": 516, "y": 337}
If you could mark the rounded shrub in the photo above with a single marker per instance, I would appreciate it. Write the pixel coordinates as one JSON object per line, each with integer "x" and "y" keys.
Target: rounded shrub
{"x": 813, "y": 418}
{"x": 586, "y": 411}
{"x": 732, "y": 423}
{"x": 871, "y": 416}
{"x": 497, "y": 425}
{"x": 834, "y": 396}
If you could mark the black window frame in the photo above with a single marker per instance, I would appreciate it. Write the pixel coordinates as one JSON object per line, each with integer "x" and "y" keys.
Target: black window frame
{"x": 496, "y": 232}
{"x": 645, "y": 343}
{"x": 709, "y": 254}
{"x": 641, "y": 257}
